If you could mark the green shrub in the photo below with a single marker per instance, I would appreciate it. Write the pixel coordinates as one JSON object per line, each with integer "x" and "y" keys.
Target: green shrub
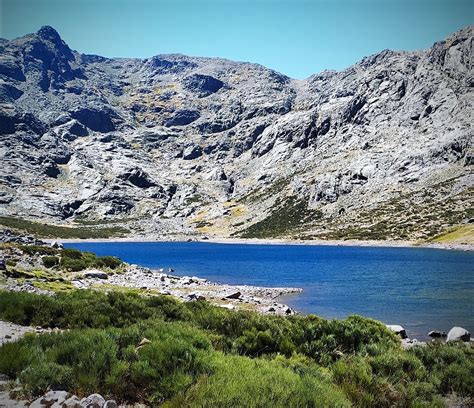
{"x": 108, "y": 262}
{"x": 74, "y": 265}
{"x": 38, "y": 249}
{"x": 75, "y": 260}
{"x": 50, "y": 261}
{"x": 111, "y": 361}
{"x": 242, "y": 382}
{"x": 72, "y": 253}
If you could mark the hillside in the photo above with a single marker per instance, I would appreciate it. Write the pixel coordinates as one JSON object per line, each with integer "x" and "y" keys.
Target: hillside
{"x": 175, "y": 146}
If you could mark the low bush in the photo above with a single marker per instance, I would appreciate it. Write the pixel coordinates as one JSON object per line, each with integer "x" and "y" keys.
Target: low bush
{"x": 243, "y": 382}
{"x": 50, "y": 261}
{"x": 110, "y": 361}
{"x": 75, "y": 260}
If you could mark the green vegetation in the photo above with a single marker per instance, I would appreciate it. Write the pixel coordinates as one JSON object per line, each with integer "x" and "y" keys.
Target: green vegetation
{"x": 288, "y": 217}
{"x": 50, "y": 261}
{"x": 54, "y": 231}
{"x": 463, "y": 234}
{"x": 160, "y": 351}
{"x": 71, "y": 259}
{"x": 84, "y": 221}
{"x": 414, "y": 215}
{"x": 265, "y": 193}
{"x": 75, "y": 260}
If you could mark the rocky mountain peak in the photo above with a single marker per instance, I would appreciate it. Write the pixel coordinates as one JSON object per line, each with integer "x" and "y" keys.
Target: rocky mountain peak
{"x": 50, "y": 34}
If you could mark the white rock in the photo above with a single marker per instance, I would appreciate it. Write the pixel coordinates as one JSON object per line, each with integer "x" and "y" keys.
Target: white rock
{"x": 458, "y": 334}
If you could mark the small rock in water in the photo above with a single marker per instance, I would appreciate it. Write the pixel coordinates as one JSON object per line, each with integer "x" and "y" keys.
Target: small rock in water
{"x": 110, "y": 404}
{"x": 458, "y": 334}
{"x": 435, "y": 334}
{"x": 398, "y": 330}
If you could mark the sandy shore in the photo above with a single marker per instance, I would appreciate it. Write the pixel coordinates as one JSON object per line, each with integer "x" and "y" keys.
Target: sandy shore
{"x": 255, "y": 241}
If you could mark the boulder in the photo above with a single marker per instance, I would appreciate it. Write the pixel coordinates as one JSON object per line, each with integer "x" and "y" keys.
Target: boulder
{"x": 458, "y": 334}
{"x": 95, "y": 274}
{"x": 398, "y": 330}
{"x": 203, "y": 85}
{"x": 182, "y": 118}
{"x": 235, "y": 295}
{"x": 57, "y": 245}
{"x": 138, "y": 178}
{"x": 192, "y": 152}
{"x": 99, "y": 120}
{"x": 288, "y": 310}
{"x": 93, "y": 401}
{"x": 51, "y": 399}
{"x": 196, "y": 296}
{"x": 110, "y": 404}
{"x": 228, "y": 306}
{"x": 72, "y": 402}
{"x": 51, "y": 169}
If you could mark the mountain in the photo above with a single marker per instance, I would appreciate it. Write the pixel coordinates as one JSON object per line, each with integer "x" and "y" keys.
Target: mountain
{"x": 173, "y": 145}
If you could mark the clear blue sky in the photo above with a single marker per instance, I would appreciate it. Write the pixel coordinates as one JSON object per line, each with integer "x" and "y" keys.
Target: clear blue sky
{"x": 295, "y": 37}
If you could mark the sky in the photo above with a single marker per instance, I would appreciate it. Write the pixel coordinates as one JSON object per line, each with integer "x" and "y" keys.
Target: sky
{"x": 295, "y": 37}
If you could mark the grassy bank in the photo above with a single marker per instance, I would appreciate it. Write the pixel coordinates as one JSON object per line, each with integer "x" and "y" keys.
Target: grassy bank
{"x": 160, "y": 351}
{"x": 55, "y": 231}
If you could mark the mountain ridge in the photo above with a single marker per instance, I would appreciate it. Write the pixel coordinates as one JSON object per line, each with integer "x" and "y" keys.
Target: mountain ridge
{"x": 183, "y": 145}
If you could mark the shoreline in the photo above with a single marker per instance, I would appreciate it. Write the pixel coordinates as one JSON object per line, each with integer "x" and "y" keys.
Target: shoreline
{"x": 258, "y": 241}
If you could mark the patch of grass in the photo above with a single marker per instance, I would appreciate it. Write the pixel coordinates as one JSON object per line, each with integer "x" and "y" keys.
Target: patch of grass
{"x": 257, "y": 195}
{"x": 55, "y": 231}
{"x": 54, "y": 286}
{"x": 83, "y": 221}
{"x": 33, "y": 274}
{"x": 463, "y": 234}
{"x": 286, "y": 218}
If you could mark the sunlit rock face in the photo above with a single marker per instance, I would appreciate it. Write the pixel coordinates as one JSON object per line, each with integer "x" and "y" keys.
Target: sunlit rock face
{"x": 183, "y": 145}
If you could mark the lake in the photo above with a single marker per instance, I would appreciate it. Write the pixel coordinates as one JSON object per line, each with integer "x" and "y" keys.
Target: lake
{"x": 422, "y": 289}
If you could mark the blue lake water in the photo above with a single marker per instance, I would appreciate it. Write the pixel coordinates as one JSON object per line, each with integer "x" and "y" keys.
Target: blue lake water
{"x": 421, "y": 289}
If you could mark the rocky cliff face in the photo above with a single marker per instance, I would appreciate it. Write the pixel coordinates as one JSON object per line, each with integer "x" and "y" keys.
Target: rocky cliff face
{"x": 182, "y": 145}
